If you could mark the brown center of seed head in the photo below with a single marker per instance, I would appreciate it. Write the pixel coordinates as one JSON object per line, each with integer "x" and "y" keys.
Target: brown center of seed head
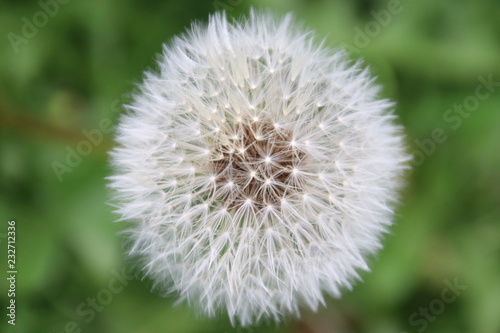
{"x": 254, "y": 163}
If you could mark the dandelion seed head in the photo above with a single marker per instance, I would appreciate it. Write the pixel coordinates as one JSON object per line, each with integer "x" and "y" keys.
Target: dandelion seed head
{"x": 257, "y": 169}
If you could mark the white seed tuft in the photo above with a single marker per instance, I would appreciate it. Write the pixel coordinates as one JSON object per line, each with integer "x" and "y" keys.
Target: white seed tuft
{"x": 257, "y": 169}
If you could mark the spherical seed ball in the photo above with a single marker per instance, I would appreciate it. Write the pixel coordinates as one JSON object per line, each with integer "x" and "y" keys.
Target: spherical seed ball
{"x": 257, "y": 169}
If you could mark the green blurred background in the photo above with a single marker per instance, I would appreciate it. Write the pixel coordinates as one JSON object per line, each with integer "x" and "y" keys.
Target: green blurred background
{"x": 67, "y": 73}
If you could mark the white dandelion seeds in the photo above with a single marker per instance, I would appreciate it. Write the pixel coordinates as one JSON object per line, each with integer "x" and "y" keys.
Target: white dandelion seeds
{"x": 258, "y": 170}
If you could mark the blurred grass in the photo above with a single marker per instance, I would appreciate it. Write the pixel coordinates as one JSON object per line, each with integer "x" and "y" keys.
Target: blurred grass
{"x": 80, "y": 66}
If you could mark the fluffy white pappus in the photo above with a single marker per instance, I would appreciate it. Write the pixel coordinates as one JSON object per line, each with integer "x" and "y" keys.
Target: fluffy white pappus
{"x": 257, "y": 169}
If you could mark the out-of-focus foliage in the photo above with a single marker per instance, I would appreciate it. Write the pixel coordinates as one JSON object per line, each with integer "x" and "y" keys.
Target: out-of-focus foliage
{"x": 65, "y": 70}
